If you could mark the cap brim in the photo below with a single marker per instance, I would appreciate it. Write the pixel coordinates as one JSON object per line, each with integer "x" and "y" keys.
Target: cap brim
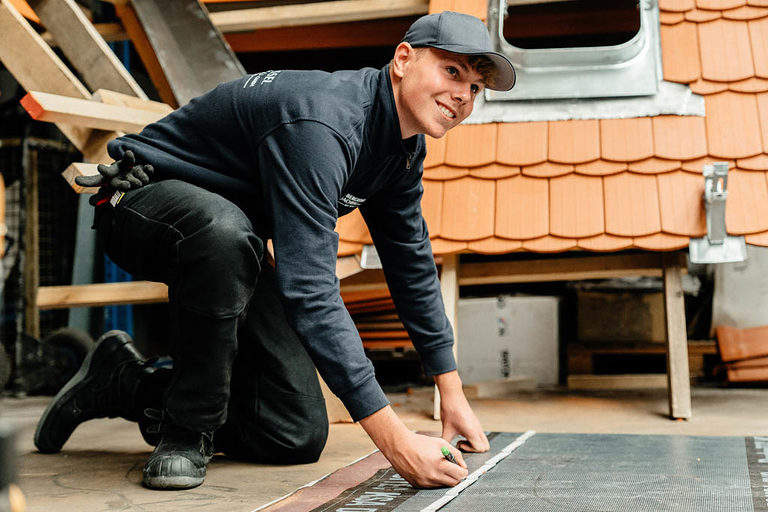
{"x": 505, "y": 72}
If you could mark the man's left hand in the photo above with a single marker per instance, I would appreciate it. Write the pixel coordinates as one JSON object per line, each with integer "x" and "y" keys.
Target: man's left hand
{"x": 458, "y": 417}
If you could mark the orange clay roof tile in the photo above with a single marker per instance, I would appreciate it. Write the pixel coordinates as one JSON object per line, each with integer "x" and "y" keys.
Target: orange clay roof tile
{"x": 720, "y": 4}
{"x": 576, "y": 206}
{"x": 758, "y": 239}
{"x": 626, "y": 139}
{"x": 758, "y": 33}
{"x": 756, "y": 163}
{"x": 746, "y": 210}
{"x": 494, "y": 245}
{"x": 432, "y": 205}
{"x": 548, "y": 243}
{"x": 679, "y": 137}
{"x": 750, "y": 85}
{"x": 762, "y": 114}
{"x": 600, "y": 168}
{"x": 680, "y": 202}
{"x": 733, "y": 126}
{"x": 547, "y": 170}
{"x": 477, "y": 147}
{"x": 680, "y": 52}
{"x": 676, "y": 5}
{"x": 697, "y": 166}
{"x": 701, "y": 16}
{"x": 442, "y": 246}
{"x": 352, "y": 228}
{"x": 435, "y": 152}
{"x": 725, "y": 51}
{"x": 653, "y": 165}
{"x": 522, "y": 143}
{"x": 494, "y": 171}
{"x": 758, "y": 3}
{"x": 445, "y": 172}
{"x": 705, "y": 87}
{"x": 349, "y": 248}
{"x": 745, "y": 13}
{"x": 671, "y": 18}
{"x": 631, "y": 205}
{"x": 661, "y": 242}
{"x": 574, "y": 142}
{"x": 522, "y": 208}
{"x": 468, "y": 209}
{"x": 604, "y": 243}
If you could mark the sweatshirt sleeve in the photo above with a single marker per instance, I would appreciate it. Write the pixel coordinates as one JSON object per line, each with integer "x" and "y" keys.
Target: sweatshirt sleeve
{"x": 401, "y": 238}
{"x": 302, "y": 168}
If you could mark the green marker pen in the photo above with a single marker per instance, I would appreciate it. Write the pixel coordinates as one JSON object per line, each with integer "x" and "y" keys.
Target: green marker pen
{"x": 448, "y": 455}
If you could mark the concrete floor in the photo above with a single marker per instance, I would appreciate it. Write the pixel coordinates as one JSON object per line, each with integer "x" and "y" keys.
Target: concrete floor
{"x": 100, "y": 467}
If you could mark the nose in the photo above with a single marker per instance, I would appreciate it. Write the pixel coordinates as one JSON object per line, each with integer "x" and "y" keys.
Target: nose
{"x": 463, "y": 93}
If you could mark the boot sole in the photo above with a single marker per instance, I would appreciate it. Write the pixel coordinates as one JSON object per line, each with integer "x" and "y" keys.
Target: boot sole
{"x": 172, "y": 482}
{"x": 65, "y": 393}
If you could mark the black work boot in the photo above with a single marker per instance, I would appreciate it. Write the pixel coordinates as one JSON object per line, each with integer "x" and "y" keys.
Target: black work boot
{"x": 104, "y": 386}
{"x": 179, "y": 459}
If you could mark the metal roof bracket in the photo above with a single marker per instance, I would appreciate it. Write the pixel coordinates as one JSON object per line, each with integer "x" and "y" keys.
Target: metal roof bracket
{"x": 717, "y": 246}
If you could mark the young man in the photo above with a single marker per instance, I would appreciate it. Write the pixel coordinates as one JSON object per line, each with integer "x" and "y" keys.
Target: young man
{"x": 281, "y": 155}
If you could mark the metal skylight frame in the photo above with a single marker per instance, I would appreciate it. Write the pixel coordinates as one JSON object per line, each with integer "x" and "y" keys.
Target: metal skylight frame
{"x": 632, "y": 68}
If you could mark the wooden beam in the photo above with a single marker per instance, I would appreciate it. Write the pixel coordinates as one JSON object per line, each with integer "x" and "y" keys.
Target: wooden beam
{"x": 37, "y": 68}
{"x": 385, "y": 32}
{"x": 116, "y": 98}
{"x": 622, "y": 381}
{"x": 678, "y": 374}
{"x": 102, "y": 294}
{"x": 84, "y": 47}
{"x": 53, "y": 108}
{"x": 449, "y": 288}
{"x": 146, "y": 52}
{"x": 562, "y": 269}
{"x": 315, "y": 13}
{"x": 76, "y": 169}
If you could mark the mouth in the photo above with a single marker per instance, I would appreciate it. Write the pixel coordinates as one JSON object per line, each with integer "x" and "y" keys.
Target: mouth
{"x": 447, "y": 112}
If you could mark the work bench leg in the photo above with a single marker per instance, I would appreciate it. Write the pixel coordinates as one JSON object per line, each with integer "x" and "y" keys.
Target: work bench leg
{"x": 678, "y": 375}
{"x": 449, "y": 286}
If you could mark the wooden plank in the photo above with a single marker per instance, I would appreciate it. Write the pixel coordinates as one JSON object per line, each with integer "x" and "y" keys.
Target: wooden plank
{"x": 76, "y": 169}
{"x": 499, "y": 388}
{"x": 347, "y": 266}
{"x": 316, "y": 13}
{"x": 385, "y": 32}
{"x": 626, "y": 381}
{"x": 84, "y": 47}
{"x": 43, "y": 106}
{"x": 562, "y": 269}
{"x": 31, "y": 254}
{"x": 449, "y": 287}
{"x": 117, "y": 98}
{"x": 146, "y": 53}
{"x": 677, "y": 340}
{"x": 101, "y": 294}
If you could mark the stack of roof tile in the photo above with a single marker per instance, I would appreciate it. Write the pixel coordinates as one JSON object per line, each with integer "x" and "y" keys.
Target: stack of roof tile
{"x": 744, "y": 352}
{"x": 374, "y": 314}
{"x": 613, "y": 184}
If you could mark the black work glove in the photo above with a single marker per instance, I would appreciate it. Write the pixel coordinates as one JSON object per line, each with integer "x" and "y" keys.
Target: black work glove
{"x": 122, "y": 175}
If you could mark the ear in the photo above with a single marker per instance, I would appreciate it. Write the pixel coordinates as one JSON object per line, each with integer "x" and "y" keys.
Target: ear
{"x": 404, "y": 53}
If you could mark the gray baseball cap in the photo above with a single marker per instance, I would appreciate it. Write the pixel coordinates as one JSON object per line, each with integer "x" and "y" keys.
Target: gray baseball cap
{"x": 464, "y": 34}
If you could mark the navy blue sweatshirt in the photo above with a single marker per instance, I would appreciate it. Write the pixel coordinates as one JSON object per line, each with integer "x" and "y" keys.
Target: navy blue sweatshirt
{"x": 298, "y": 149}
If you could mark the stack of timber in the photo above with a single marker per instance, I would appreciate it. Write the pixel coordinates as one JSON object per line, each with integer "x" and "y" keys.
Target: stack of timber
{"x": 744, "y": 352}
{"x": 376, "y": 319}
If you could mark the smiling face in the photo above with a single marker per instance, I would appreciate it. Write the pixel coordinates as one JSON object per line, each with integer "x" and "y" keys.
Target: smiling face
{"x": 434, "y": 89}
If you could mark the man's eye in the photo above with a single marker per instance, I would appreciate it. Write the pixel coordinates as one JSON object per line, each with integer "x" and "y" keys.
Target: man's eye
{"x": 452, "y": 70}
{"x": 475, "y": 88}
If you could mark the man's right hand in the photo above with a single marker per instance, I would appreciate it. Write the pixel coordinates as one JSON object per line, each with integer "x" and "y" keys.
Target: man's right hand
{"x": 122, "y": 175}
{"x": 415, "y": 457}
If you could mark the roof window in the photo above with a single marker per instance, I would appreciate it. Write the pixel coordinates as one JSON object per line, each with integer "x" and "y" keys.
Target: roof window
{"x": 578, "y": 48}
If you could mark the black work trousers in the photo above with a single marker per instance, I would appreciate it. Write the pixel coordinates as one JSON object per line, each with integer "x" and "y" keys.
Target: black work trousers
{"x": 239, "y": 369}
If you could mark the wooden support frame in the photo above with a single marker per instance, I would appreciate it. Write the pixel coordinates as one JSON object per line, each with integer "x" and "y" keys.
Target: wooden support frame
{"x": 43, "y": 106}
{"x": 679, "y": 384}
{"x": 294, "y": 15}
{"x": 449, "y": 288}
